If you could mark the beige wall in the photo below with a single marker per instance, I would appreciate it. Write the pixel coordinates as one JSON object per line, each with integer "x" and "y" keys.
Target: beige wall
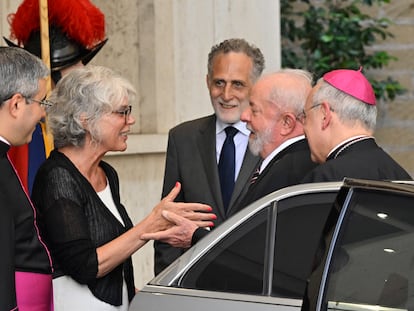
{"x": 162, "y": 47}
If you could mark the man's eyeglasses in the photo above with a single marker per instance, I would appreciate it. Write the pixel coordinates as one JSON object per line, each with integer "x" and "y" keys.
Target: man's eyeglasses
{"x": 43, "y": 103}
{"x": 125, "y": 112}
{"x": 301, "y": 117}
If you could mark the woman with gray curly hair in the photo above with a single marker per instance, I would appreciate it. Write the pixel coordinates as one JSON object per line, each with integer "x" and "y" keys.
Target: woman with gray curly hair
{"x": 89, "y": 233}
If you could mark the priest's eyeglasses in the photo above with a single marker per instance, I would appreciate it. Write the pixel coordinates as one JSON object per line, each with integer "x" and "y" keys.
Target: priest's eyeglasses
{"x": 43, "y": 102}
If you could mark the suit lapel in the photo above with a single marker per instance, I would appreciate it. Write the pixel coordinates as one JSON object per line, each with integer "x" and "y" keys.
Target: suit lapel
{"x": 242, "y": 184}
{"x": 206, "y": 142}
{"x": 296, "y": 146}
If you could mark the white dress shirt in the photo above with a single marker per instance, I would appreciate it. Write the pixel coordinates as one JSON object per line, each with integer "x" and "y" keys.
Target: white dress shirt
{"x": 241, "y": 140}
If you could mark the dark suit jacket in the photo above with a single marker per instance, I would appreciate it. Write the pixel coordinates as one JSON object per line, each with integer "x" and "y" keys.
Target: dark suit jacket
{"x": 22, "y": 249}
{"x": 363, "y": 159}
{"x": 287, "y": 168}
{"x": 191, "y": 160}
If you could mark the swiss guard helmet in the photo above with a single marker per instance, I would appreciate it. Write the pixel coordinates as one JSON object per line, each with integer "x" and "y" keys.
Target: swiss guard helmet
{"x": 76, "y": 31}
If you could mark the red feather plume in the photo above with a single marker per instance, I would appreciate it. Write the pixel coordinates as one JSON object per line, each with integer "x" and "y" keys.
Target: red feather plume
{"x": 80, "y": 20}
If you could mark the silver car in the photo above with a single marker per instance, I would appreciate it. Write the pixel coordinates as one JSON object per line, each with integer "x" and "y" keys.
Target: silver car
{"x": 323, "y": 246}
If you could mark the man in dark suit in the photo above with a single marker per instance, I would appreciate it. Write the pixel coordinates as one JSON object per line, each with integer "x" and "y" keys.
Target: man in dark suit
{"x": 25, "y": 264}
{"x": 276, "y": 135}
{"x": 194, "y": 147}
{"x": 339, "y": 120}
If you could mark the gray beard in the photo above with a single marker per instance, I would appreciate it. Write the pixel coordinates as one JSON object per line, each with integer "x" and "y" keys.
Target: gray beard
{"x": 256, "y": 145}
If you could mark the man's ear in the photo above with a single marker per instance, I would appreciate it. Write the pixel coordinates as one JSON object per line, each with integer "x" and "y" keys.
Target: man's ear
{"x": 327, "y": 114}
{"x": 14, "y": 104}
{"x": 288, "y": 123}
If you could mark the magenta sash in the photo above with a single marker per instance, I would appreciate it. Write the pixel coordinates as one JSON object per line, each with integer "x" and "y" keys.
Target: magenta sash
{"x": 34, "y": 291}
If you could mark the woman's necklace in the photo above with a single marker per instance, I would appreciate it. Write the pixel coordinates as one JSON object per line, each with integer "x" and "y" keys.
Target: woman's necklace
{"x": 350, "y": 143}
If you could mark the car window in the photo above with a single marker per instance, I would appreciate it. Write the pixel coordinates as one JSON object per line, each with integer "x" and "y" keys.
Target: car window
{"x": 242, "y": 260}
{"x": 373, "y": 259}
{"x": 236, "y": 263}
{"x": 300, "y": 221}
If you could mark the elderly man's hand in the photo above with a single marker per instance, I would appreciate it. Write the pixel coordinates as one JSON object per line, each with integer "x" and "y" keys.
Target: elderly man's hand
{"x": 180, "y": 234}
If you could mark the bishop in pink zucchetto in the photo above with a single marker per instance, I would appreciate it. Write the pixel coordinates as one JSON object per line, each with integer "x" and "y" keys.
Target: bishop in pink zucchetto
{"x": 339, "y": 119}
{"x": 352, "y": 82}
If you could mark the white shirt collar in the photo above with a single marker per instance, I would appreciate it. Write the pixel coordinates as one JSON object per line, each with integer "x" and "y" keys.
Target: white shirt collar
{"x": 275, "y": 152}
{"x": 241, "y": 126}
{"x": 4, "y": 140}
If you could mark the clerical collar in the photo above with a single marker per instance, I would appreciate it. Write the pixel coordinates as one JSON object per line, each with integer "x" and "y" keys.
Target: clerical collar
{"x": 335, "y": 152}
{"x": 4, "y": 140}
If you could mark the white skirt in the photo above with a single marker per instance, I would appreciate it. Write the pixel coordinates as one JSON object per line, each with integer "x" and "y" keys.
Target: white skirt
{"x": 69, "y": 295}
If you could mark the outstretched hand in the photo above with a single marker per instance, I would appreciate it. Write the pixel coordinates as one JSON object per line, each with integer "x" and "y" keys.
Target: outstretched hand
{"x": 192, "y": 211}
{"x": 180, "y": 235}
{"x": 197, "y": 213}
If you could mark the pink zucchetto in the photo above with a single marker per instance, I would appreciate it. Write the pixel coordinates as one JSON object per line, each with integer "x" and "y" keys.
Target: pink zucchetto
{"x": 351, "y": 82}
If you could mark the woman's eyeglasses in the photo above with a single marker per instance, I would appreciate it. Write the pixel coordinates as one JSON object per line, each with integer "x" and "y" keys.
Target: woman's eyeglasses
{"x": 124, "y": 112}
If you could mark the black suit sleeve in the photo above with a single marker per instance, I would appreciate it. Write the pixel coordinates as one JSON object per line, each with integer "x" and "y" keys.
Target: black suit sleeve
{"x": 172, "y": 171}
{"x": 164, "y": 254}
{"x": 198, "y": 235}
{"x": 7, "y": 238}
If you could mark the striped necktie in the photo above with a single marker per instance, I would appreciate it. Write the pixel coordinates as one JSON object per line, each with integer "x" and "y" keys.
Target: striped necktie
{"x": 255, "y": 175}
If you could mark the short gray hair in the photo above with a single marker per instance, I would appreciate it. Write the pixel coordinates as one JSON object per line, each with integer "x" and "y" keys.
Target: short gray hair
{"x": 292, "y": 100}
{"x": 238, "y": 46}
{"x": 348, "y": 108}
{"x": 85, "y": 94}
{"x": 20, "y": 72}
